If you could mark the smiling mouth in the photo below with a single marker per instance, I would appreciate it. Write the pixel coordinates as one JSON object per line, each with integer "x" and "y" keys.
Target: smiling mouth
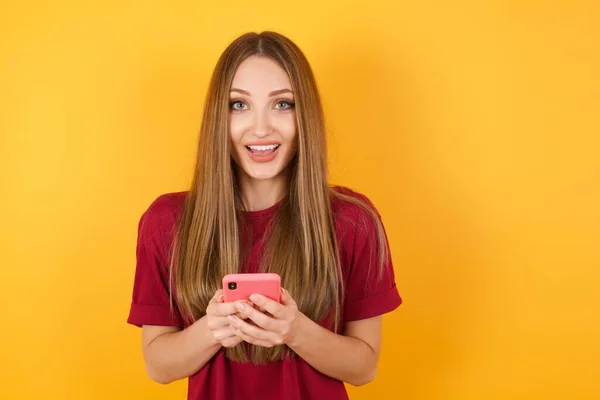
{"x": 264, "y": 150}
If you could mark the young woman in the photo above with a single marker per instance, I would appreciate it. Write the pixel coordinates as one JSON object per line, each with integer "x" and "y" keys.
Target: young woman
{"x": 260, "y": 202}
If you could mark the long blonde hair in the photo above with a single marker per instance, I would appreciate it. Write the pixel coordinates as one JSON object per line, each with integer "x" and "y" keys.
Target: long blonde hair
{"x": 301, "y": 246}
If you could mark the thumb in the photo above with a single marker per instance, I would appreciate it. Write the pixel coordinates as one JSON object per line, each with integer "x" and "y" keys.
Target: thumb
{"x": 218, "y": 297}
{"x": 286, "y": 298}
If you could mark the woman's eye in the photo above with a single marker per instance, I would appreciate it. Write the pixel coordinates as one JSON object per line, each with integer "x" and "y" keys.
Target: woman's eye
{"x": 284, "y": 105}
{"x": 237, "y": 105}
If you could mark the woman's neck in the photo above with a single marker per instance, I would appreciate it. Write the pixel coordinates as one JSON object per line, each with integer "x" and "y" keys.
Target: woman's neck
{"x": 259, "y": 194}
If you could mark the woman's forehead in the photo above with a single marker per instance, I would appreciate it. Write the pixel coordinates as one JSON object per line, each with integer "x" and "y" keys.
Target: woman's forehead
{"x": 260, "y": 76}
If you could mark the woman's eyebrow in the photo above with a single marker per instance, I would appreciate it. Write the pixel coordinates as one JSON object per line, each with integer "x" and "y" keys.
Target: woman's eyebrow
{"x": 280, "y": 91}
{"x": 273, "y": 93}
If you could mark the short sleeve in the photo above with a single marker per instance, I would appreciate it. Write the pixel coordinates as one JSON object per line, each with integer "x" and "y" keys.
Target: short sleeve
{"x": 369, "y": 290}
{"x": 151, "y": 302}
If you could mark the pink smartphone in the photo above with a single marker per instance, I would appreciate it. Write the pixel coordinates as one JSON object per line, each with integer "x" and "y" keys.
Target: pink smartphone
{"x": 241, "y": 286}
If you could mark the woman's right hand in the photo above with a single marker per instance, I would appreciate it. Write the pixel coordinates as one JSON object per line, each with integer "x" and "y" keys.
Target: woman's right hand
{"x": 218, "y": 323}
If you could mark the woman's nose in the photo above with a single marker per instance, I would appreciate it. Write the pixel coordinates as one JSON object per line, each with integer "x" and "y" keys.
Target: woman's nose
{"x": 262, "y": 124}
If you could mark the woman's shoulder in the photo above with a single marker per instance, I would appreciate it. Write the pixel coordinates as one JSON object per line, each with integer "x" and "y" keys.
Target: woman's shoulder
{"x": 355, "y": 216}
{"x": 163, "y": 211}
{"x": 167, "y": 204}
{"x": 347, "y": 202}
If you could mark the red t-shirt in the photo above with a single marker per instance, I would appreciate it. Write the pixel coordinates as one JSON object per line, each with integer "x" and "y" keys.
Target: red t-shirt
{"x": 290, "y": 379}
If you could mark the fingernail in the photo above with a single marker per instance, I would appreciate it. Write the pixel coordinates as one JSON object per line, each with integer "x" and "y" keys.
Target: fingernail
{"x": 254, "y": 298}
{"x": 232, "y": 318}
{"x": 241, "y": 306}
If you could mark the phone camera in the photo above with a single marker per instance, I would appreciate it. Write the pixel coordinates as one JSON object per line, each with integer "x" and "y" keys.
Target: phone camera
{"x": 232, "y": 285}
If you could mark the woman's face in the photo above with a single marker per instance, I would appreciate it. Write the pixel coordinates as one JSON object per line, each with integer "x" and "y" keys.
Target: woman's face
{"x": 262, "y": 119}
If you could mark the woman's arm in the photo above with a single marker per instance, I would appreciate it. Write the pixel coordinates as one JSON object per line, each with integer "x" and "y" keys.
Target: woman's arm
{"x": 171, "y": 353}
{"x": 351, "y": 357}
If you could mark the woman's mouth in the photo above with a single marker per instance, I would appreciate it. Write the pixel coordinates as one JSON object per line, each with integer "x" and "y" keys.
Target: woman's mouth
{"x": 263, "y": 153}
{"x": 262, "y": 150}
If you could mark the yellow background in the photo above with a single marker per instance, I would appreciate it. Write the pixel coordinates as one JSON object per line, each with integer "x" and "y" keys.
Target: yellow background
{"x": 472, "y": 125}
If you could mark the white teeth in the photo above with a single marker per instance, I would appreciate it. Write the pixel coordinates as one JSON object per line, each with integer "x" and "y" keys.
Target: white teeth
{"x": 268, "y": 147}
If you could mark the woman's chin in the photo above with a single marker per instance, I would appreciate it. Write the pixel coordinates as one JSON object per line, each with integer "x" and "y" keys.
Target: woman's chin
{"x": 264, "y": 172}
{"x": 261, "y": 174}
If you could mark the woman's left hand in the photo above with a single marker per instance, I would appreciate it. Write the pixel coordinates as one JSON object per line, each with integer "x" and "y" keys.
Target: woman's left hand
{"x": 277, "y": 329}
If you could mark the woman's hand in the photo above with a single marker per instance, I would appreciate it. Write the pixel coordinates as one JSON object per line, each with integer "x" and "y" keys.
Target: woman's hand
{"x": 280, "y": 327}
{"x": 218, "y": 323}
